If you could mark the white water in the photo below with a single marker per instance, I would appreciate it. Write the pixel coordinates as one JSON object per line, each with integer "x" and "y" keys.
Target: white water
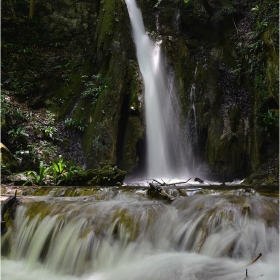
{"x": 132, "y": 237}
{"x": 166, "y": 156}
{"x": 191, "y": 128}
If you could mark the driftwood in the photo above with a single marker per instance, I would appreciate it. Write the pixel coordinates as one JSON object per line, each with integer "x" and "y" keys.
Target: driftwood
{"x": 202, "y": 239}
{"x": 250, "y": 263}
{"x": 255, "y": 259}
{"x": 157, "y": 191}
{"x": 198, "y": 180}
{"x": 170, "y": 184}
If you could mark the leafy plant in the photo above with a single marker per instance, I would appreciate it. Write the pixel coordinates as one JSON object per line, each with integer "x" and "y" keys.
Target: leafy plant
{"x": 57, "y": 169}
{"x": 15, "y": 133}
{"x": 61, "y": 172}
{"x": 69, "y": 122}
{"x": 270, "y": 119}
{"x": 70, "y": 172}
{"x": 93, "y": 87}
{"x": 39, "y": 178}
{"x": 49, "y": 131}
{"x": 5, "y": 102}
{"x": 78, "y": 124}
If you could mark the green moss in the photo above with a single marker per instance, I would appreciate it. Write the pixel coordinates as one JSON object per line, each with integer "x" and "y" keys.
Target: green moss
{"x": 62, "y": 104}
{"x": 123, "y": 219}
{"x": 136, "y": 86}
{"x": 134, "y": 132}
{"x": 105, "y": 27}
{"x": 272, "y": 74}
{"x": 42, "y": 191}
{"x": 41, "y": 208}
{"x": 213, "y": 141}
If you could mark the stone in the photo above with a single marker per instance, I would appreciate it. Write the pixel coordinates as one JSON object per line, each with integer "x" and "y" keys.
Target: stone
{"x": 19, "y": 179}
{"x": 8, "y": 160}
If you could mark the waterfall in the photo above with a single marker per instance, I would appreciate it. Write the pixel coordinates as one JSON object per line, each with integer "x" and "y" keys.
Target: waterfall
{"x": 166, "y": 156}
{"x": 126, "y": 235}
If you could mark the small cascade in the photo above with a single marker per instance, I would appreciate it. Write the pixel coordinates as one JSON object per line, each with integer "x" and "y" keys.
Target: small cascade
{"x": 191, "y": 126}
{"x": 166, "y": 153}
{"x": 176, "y": 21}
{"x": 119, "y": 237}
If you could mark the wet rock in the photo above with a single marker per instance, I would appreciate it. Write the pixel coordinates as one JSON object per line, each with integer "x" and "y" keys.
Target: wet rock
{"x": 158, "y": 192}
{"x": 19, "y": 179}
{"x": 199, "y": 180}
{"x": 267, "y": 174}
{"x": 8, "y": 209}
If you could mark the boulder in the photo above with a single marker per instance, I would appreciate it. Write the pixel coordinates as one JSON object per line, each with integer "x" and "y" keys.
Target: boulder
{"x": 19, "y": 179}
{"x": 9, "y": 163}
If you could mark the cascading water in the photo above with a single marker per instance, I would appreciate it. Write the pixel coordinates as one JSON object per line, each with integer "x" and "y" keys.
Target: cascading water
{"x": 124, "y": 234}
{"x": 191, "y": 127}
{"x": 166, "y": 156}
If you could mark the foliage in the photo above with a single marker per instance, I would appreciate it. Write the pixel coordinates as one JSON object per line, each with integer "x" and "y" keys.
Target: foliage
{"x": 60, "y": 171}
{"x": 78, "y": 124}
{"x": 39, "y": 178}
{"x": 57, "y": 169}
{"x": 70, "y": 172}
{"x": 158, "y": 3}
{"x": 101, "y": 141}
{"x": 27, "y": 133}
{"x": 224, "y": 13}
{"x": 93, "y": 87}
{"x": 254, "y": 48}
{"x": 15, "y": 133}
{"x": 269, "y": 121}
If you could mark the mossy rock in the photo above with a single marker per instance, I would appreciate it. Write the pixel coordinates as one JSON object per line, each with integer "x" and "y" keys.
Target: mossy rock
{"x": 19, "y": 179}
{"x": 8, "y": 161}
{"x": 107, "y": 176}
{"x": 110, "y": 176}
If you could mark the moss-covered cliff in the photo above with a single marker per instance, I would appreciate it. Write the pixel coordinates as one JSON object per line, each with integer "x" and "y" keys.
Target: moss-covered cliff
{"x": 77, "y": 60}
{"x": 225, "y": 57}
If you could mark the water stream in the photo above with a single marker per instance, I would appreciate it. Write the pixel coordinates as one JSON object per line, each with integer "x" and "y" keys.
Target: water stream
{"x": 166, "y": 156}
{"x": 125, "y": 234}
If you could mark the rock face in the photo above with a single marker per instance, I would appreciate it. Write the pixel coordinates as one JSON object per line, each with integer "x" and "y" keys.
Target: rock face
{"x": 100, "y": 33}
{"x": 226, "y": 85}
{"x": 8, "y": 161}
{"x": 224, "y": 59}
{"x": 267, "y": 173}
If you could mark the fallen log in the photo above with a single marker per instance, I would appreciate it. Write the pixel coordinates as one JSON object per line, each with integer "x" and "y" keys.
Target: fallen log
{"x": 171, "y": 184}
{"x": 158, "y": 192}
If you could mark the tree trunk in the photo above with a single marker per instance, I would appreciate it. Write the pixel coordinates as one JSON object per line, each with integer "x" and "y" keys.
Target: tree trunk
{"x": 32, "y": 8}
{"x": 13, "y": 10}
